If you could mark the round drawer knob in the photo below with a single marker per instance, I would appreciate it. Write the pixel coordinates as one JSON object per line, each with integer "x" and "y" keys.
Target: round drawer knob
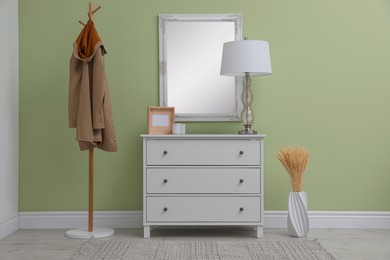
{"x": 241, "y": 152}
{"x": 165, "y": 180}
{"x": 241, "y": 180}
{"x": 241, "y": 209}
{"x": 165, "y": 152}
{"x": 165, "y": 209}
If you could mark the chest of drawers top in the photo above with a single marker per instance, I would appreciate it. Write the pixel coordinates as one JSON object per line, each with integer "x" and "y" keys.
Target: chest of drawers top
{"x": 202, "y": 149}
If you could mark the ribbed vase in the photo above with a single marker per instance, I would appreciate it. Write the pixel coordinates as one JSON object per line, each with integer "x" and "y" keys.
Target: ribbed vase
{"x": 298, "y": 219}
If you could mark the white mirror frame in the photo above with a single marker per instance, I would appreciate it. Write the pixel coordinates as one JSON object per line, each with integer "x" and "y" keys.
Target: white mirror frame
{"x": 163, "y": 71}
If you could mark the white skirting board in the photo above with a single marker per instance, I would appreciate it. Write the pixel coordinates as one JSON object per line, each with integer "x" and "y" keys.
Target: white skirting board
{"x": 133, "y": 219}
{"x": 334, "y": 219}
{"x": 9, "y": 227}
{"x": 79, "y": 219}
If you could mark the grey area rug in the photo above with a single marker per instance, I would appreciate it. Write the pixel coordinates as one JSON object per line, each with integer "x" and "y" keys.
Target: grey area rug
{"x": 202, "y": 250}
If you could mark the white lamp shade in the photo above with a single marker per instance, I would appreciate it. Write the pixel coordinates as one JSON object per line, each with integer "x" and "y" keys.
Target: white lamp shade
{"x": 239, "y": 57}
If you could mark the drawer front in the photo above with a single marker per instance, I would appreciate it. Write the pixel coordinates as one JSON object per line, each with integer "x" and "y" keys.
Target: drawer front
{"x": 203, "y": 180}
{"x": 203, "y": 152}
{"x": 203, "y": 209}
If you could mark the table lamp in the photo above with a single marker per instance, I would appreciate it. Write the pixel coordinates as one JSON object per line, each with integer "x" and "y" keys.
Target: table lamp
{"x": 246, "y": 58}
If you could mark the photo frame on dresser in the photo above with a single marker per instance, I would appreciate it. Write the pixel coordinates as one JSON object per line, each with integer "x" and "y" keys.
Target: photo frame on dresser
{"x": 160, "y": 120}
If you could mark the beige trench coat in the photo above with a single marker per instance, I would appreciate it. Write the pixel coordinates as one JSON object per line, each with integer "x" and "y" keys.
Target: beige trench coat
{"x": 89, "y": 105}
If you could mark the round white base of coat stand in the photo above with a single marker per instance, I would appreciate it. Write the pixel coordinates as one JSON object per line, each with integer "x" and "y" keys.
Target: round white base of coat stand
{"x": 82, "y": 233}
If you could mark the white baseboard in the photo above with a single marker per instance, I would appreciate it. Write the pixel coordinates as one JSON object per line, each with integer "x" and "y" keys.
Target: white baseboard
{"x": 133, "y": 219}
{"x": 333, "y": 219}
{"x": 9, "y": 227}
{"x": 79, "y": 219}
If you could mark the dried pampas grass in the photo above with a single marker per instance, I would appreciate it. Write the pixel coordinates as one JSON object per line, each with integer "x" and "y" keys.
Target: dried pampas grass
{"x": 294, "y": 160}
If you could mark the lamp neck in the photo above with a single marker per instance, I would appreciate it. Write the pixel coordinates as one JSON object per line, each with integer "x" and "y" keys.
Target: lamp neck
{"x": 247, "y": 80}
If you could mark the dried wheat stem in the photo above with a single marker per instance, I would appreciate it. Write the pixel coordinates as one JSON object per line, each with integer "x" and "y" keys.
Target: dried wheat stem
{"x": 294, "y": 160}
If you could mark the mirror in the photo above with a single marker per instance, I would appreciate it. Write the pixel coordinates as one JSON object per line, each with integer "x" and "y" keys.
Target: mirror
{"x": 190, "y": 52}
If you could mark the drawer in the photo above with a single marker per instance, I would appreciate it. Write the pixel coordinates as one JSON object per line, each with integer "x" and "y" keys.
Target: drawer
{"x": 203, "y": 152}
{"x": 203, "y": 180}
{"x": 203, "y": 209}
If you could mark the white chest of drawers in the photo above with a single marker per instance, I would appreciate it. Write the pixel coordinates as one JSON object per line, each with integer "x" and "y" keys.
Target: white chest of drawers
{"x": 203, "y": 180}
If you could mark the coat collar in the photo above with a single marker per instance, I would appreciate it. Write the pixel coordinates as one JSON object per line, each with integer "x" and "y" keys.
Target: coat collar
{"x": 87, "y": 43}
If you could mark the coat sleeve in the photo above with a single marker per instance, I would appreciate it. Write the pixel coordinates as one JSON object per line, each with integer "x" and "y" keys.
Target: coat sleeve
{"x": 99, "y": 83}
{"x": 74, "y": 91}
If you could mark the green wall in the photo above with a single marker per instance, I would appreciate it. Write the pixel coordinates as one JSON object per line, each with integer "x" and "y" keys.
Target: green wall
{"x": 329, "y": 92}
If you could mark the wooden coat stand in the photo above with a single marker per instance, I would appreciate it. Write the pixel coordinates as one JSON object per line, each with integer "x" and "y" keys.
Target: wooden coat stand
{"x": 91, "y": 231}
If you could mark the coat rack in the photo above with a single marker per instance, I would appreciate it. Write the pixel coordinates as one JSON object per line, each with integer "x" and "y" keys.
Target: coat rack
{"x": 91, "y": 231}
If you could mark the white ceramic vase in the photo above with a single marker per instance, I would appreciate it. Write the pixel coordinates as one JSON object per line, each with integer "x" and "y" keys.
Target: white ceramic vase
{"x": 298, "y": 219}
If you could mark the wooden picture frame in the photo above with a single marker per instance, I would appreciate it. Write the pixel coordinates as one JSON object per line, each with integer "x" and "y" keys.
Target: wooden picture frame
{"x": 160, "y": 120}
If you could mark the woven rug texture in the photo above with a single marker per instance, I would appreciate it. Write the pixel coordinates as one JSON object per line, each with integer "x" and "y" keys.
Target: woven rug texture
{"x": 202, "y": 250}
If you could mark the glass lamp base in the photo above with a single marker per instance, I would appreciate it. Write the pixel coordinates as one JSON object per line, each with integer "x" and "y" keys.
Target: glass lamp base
{"x": 247, "y": 132}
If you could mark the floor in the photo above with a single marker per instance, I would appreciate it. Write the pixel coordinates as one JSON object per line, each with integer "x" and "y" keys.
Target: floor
{"x": 341, "y": 243}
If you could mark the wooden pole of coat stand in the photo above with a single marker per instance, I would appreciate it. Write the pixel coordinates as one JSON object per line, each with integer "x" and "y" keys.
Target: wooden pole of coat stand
{"x": 91, "y": 231}
{"x": 90, "y": 195}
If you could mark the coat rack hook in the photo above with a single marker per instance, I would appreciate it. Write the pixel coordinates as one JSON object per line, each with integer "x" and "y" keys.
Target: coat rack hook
{"x": 91, "y": 11}
{"x": 97, "y": 9}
